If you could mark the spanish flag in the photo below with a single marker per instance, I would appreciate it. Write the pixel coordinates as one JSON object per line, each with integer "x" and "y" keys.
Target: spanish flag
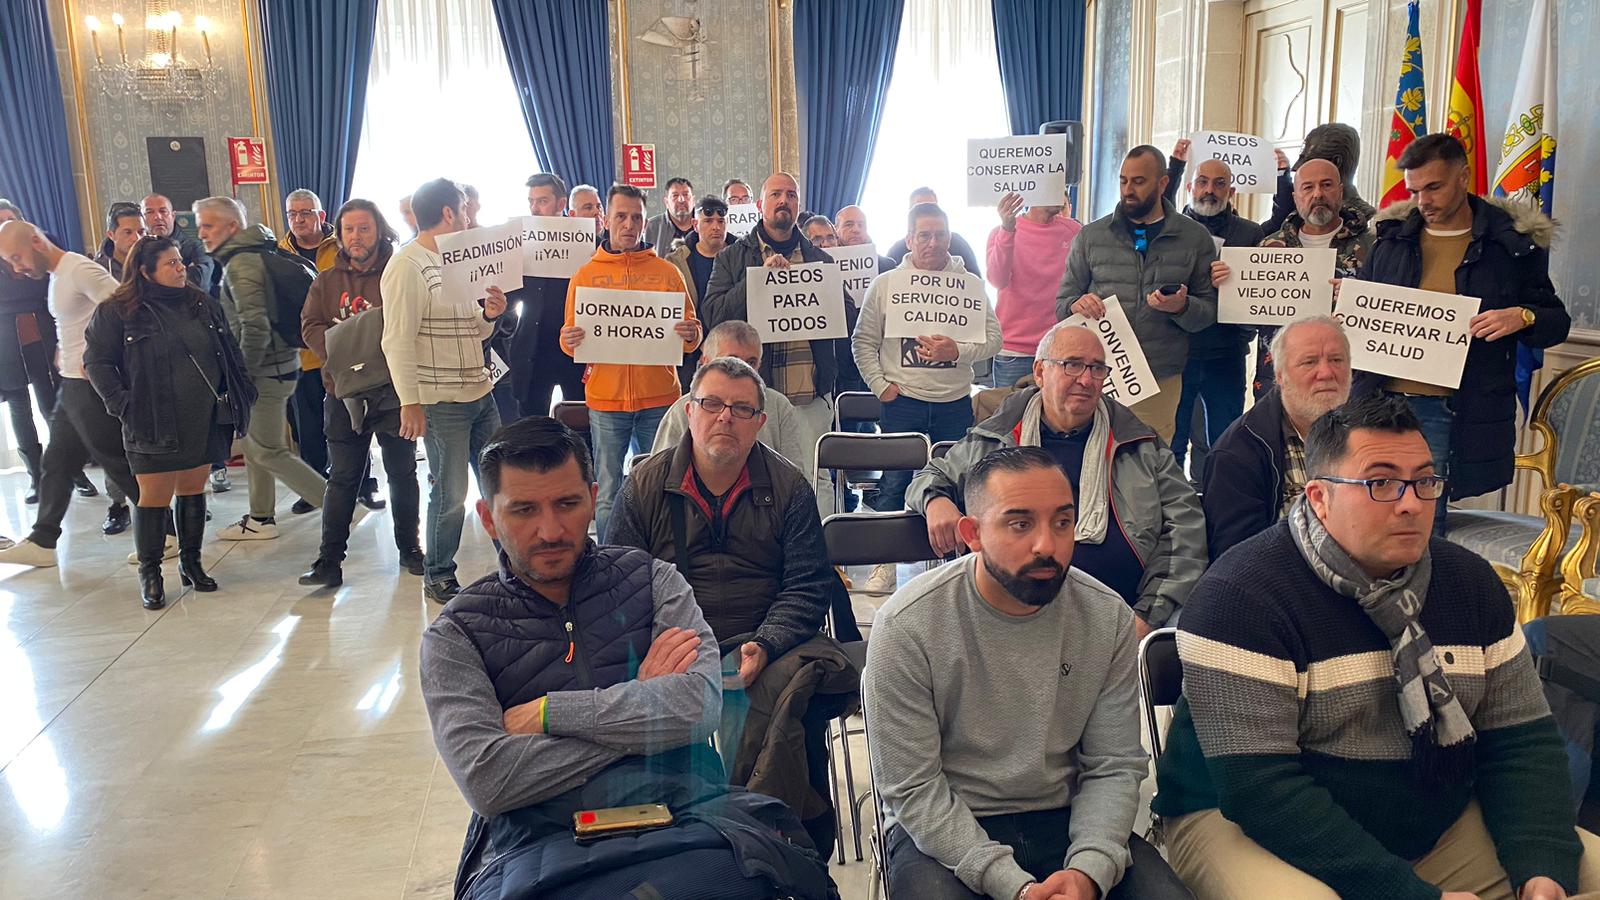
{"x": 1464, "y": 120}
{"x": 1410, "y": 113}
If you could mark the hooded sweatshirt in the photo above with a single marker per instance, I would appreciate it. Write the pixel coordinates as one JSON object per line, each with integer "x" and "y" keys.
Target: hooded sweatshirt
{"x": 337, "y": 294}
{"x": 610, "y": 387}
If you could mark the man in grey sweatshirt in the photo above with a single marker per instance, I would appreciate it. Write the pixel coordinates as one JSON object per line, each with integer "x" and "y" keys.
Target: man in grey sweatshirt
{"x": 1003, "y": 711}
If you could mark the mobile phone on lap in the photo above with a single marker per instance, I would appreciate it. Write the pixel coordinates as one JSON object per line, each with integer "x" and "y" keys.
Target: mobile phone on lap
{"x": 589, "y": 825}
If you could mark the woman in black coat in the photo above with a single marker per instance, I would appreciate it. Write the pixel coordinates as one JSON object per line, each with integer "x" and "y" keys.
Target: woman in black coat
{"x": 161, "y": 356}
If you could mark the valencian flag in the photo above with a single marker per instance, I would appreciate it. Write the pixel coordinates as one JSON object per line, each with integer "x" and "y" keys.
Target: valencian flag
{"x": 1410, "y": 114}
{"x": 1527, "y": 171}
{"x": 1464, "y": 120}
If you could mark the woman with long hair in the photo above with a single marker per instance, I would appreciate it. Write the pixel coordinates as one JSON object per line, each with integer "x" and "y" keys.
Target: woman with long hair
{"x": 162, "y": 358}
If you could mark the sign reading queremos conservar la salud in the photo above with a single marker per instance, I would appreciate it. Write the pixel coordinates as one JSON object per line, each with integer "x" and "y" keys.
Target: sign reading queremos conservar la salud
{"x": 1405, "y": 332}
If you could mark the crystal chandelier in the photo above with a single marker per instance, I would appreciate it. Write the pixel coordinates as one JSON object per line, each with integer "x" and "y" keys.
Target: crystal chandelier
{"x": 163, "y": 74}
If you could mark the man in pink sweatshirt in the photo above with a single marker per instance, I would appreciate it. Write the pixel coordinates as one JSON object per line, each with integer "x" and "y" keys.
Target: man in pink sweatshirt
{"x": 1027, "y": 256}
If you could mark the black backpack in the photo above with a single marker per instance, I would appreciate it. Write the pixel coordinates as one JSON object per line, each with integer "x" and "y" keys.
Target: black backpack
{"x": 289, "y": 278}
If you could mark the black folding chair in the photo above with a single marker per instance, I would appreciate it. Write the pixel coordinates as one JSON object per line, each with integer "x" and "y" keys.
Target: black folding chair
{"x": 856, "y": 539}
{"x": 854, "y": 408}
{"x": 573, "y": 414}
{"x": 847, "y": 452}
{"x": 1160, "y": 686}
{"x": 941, "y": 448}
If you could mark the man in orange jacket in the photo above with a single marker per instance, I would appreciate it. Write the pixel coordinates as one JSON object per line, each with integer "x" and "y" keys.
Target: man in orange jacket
{"x": 626, "y": 403}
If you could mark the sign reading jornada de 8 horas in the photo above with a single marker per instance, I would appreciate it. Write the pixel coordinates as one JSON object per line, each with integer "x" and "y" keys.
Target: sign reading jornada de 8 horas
{"x": 628, "y": 327}
{"x": 1406, "y": 333}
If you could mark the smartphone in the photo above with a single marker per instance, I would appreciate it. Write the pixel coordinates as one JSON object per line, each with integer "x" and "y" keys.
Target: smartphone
{"x": 1170, "y": 289}
{"x": 594, "y": 824}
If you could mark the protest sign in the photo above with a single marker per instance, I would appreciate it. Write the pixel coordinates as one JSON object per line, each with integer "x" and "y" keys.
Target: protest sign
{"x": 858, "y": 265}
{"x": 1251, "y": 159}
{"x": 1406, "y": 333}
{"x": 631, "y": 328}
{"x": 555, "y": 246}
{"x": 497, "y": 367}
{"x": 480, "y": 258}
{"x": 1033, "y": 165}
{"x": 917, "y": 302}
{"x": 802, "y": 302}
{"x": 742, "y": 219}
{"x": 1275, "y": 285}
{"x": 1130, "y": 380}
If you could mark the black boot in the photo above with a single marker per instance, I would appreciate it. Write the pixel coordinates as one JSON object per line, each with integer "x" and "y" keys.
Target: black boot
{"x": 32, "y": 457}
{"x": 191, "y": 532}
{"x": 150, "y": 541}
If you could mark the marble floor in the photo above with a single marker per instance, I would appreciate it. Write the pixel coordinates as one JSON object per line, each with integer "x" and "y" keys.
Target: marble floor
{"x": 264, "y": 741}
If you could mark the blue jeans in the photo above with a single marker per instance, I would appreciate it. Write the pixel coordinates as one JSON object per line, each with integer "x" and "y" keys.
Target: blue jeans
{"x": 457, "y": 433}
{"x": 1218, "y": 386}
{"x": 1437, "y": 415}
{"x": 615, "y": 435}
{"x": 1007, "y": 369}
{"x": 946, "y": 421}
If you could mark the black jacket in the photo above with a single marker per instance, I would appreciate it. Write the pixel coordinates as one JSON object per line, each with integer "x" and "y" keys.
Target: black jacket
{"x": 1242, "y": 488}
{"x": 1223, "y": 340}
{"x": 725, "y": 300}
{"x": 534, "y": 343}
{"x": 130, "y": 358}
{"x": 21, "y": 297}
{"x": 1507, "y": 264}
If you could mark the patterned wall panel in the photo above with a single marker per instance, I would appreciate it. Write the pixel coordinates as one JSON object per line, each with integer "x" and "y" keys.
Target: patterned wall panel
{"x": 113, "y": 130}
{"x": 703, "y": 94}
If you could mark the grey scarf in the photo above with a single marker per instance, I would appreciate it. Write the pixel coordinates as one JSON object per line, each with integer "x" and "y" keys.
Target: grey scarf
{"x": 1441, "y": 736}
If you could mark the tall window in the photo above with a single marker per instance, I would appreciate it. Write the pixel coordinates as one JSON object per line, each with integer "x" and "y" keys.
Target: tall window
{"x": 946, "y": 89}
{"x": 441, "y": 103}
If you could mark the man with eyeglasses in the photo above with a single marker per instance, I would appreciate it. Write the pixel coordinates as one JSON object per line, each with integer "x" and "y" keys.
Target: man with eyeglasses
{"x": 1139, "y": 527}
{"x": 741, "y": 524}
{"x": 1360, "y": 716}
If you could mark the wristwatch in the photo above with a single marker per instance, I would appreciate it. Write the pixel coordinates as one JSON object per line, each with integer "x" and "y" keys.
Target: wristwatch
{"x": 1527, "y": 317}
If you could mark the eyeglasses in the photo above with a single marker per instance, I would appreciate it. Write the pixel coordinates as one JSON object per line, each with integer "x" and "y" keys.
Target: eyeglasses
{"x": 301, "y": 214}
{"x": 715, "y": 407}
{"x": 1390, "y": 490}
{"x": 1075, "y": 367}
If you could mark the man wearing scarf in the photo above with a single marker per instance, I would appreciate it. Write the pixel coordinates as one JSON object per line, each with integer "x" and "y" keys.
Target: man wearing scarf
{"x": 1139, "y": 531}
{"x": 1361, "y": 718}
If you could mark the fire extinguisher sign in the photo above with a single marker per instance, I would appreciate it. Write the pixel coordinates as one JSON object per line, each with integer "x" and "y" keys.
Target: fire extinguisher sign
{"x": 247, "y": 160}
{"x": 639, "y": 165}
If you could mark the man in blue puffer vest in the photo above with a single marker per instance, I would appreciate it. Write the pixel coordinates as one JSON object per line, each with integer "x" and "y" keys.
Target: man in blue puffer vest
{"x": 580, "y": 677}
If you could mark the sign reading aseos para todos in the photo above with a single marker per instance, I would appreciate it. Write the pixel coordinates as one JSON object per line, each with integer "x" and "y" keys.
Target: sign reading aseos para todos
{"x": 1249, "y": 158}
{"x": 1406, "y": 333}
{"x": 1275, "y": 285}
{"x": 858, "y": 265}
{"x": 917, "y": 302}
{"x": 1131, "y": 379}
{"x": 555, "y": 246}
{"x": 802, "y": 302}
{"x": 482, "y": 258}
{"x": 1033, "y": 165}
{"x": 632, "y": 328}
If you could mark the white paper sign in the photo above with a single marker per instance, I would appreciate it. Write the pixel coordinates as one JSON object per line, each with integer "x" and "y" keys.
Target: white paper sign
{"x": 858, "y": 265}
{"x": 479, "y": 258}
{"x": 630, "y": 328}
{"x": 1406, "y": 333}
{"x": 918, "y": 302}
{"x": 1219, "y": 242}
{"x": 803, "y": 302}
{"x": 741, "y": 219}
{"x": 1275, "y": 285}
{"x": 497, "y": 368}
{"x": 1033, "y": 165}
{"x": 1130, "y": 380}
{"x": 555, "y": 246}
{"x": 1251, "y": 159}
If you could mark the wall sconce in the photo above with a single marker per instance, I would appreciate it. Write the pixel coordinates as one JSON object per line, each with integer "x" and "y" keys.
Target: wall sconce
{"x": 162, "y": 74}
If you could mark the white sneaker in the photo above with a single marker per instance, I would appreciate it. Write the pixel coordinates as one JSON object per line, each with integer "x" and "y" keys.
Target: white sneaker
{"x": 169, "y": 550}
{"x": 219, "y": 481}
{"x": 883, "y": 580}
{"x": 28, "y": 553}
{"x": 249, "y": 529}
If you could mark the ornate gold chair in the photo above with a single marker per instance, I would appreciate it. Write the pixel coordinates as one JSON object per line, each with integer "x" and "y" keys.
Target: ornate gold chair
{"x": 1580, "y": 585}
{"x": 1527, "y": 551}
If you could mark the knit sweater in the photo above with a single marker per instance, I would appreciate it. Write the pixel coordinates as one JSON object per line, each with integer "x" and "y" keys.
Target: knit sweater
{"x": 433, "y": 343}
{"x": 1026, "y": 265}
{"x": 1289, "y": 724}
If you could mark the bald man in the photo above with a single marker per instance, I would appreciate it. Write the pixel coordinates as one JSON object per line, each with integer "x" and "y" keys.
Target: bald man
{"x": 1323, "y": 217}
{"x": 160, "y": 220}
{"x": 82, "y": 429}
{"x": 806, "y": 372}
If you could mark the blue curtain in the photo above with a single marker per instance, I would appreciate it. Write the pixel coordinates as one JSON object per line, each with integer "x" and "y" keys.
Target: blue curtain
{"x": 318, "y": 55}
{"x": 843, "y": 60}
{"x": 560, "y": 57}
{"x": 35, "y": 168}
{"x": 1040, "y": 45}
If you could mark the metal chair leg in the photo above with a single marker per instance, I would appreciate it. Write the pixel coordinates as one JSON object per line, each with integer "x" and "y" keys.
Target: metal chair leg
{"x": 850, "y": 783}
{"x": 833, "y": 786}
